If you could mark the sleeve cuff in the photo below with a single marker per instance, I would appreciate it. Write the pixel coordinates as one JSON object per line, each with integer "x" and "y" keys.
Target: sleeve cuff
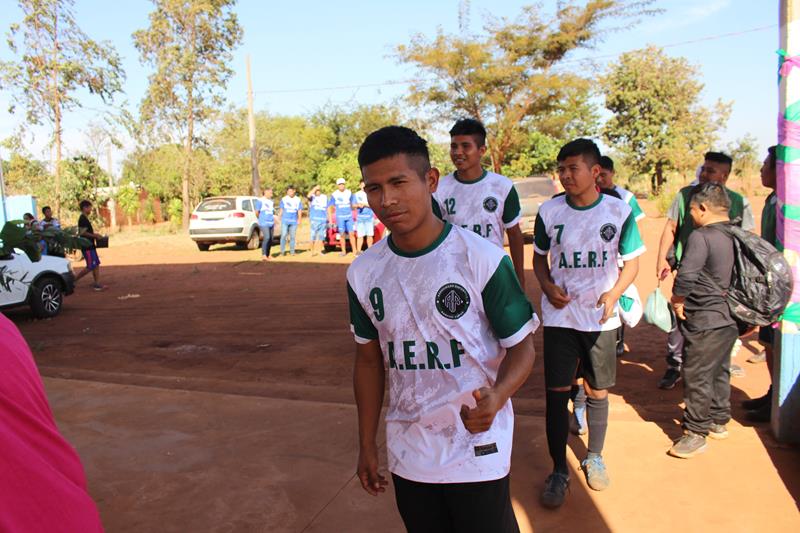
{"x": 634, "y": 254}
{"x": 539, "y": 250}
{"x": 358, "y": 339}
{"x": 528, "y": 328}
{"x": 639, "y": 217}
{"x": 513, "y": 223}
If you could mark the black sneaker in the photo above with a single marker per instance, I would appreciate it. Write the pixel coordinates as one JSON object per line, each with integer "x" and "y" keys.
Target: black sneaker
{"x": 671, "y": 377}
{"x": 762, "y": 414}
{"x": 756, "y": 403}
{"x": 688, "y": 446}
{"x": 555, "y": 489}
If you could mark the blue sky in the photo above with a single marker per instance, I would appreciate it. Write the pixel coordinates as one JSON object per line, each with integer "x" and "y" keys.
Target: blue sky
{"x": 312, "y": 45}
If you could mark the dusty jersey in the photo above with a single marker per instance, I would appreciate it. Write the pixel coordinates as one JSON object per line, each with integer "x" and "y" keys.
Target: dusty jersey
{"x": 629, "y": 198}
{"x": 487, "y": 206}
{"x": 444, "y": 317}
{"x": 584, "y": 244}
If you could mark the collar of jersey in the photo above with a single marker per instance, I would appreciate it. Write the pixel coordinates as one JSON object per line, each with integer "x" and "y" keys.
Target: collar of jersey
{"x": 419, "y": 253}
{"x": 586, "y": 207}
{"x": 455, "y": 175}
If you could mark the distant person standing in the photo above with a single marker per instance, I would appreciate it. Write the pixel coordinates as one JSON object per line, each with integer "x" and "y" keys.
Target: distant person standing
{"x": 86, "y": 230}
{"x": 265, "y": 211}
{"x": 342, "y": 202}
{"x": 318, "y": 217}
{"x": 291, "y": 215}
{"x": 49, "y": 221}
{"x": 365, "y": 219}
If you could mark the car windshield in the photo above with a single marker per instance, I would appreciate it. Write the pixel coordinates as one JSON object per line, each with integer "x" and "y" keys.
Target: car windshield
{"x": 217, "y": 204}
{"x": 534, "y": 187}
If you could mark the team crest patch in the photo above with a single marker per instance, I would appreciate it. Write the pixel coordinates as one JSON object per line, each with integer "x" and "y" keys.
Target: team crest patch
{"x": 490, "y": 204}
{"x": 452, "y": 301}
{"x": 608, "y": 232}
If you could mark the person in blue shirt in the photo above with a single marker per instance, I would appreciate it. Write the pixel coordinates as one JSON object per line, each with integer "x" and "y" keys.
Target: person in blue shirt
{"x": 318, "y": 216}
{"x": 291, "y": 214}
{"x": 343, "y": 201}
{"x": 365, "y": 219}
{"x": 265, "y": 211}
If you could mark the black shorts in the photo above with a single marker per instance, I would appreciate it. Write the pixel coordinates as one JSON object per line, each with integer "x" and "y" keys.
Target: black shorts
{"x": 455, "y": 507}
{"x": 766, "y": 335}
{"x": 594, "y": 351}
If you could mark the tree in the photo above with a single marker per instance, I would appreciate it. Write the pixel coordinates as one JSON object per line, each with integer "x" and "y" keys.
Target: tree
{"x": 510, "y": 79}
{"x": 57, "y": 59}
{"x": 190, "y": 44}
{"x": 658, "y": 122}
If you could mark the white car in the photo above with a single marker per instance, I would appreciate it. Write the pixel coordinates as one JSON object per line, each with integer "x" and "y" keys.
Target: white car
{"x": 224, "y": 219}
{"x": 41, "y": 284}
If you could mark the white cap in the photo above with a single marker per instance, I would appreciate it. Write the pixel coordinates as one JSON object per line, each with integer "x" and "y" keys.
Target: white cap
{"x": 340, "y": 181}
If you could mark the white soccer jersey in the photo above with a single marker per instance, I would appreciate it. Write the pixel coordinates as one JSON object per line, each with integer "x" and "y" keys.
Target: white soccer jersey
{"x": 444, "y": 317}
{"x": 629, "y": 198}
{"x": 487, "y": 206}
{"x": 584, "y": 244}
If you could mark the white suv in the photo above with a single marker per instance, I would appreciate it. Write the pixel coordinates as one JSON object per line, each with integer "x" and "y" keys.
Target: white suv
{"x": 224, "y": 219}
{"x": 41, "y": 284}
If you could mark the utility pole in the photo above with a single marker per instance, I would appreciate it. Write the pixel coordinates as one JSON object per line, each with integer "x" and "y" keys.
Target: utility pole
{"x": 112, "y": 205}
{"x": 786, "y": 368}
{"x": 251, "y": 123}
{"x": 3, "y": 192}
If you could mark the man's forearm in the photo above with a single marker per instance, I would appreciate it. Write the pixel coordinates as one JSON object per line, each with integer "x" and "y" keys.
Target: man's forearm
{"x": 541, "y": 269}
{"x": 515, "y": 368}
{"x": 667, "y": 238}
{"x": 516, "y": 245}
{"x": 626, "y": 276}
{"x": 368, "y": 385}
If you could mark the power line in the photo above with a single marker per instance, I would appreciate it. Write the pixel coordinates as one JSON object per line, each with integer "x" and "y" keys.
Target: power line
{"x": 567, "y": 61}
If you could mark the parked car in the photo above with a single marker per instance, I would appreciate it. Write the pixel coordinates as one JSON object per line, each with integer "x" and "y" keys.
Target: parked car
{"x": 533, "y": 192}
{"x": 42, "y": 284}
{"x": 225, "y": 219}
{"x": 332, "y": 235}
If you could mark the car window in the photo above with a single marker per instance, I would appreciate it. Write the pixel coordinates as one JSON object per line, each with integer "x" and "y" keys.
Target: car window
{"x": 247, "y": 205}
{"x": 217, "y": 204}
{"x": 535, "y": 187}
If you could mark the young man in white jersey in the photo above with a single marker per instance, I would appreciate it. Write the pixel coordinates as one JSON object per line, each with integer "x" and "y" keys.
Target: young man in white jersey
{"x": 365, "y": 219}
{"x": 291, "y": 215}
{"x": 606, "y": 181}
{"x": 584, "y": 232}
{"x": 477, "y": 199}
{"x": 317, "y": 217}
{"x": 441, "y": 310}
{"x": 341, "y": 205}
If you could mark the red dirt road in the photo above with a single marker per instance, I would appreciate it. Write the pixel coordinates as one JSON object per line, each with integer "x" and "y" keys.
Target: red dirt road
{"x": 212, "y": 392}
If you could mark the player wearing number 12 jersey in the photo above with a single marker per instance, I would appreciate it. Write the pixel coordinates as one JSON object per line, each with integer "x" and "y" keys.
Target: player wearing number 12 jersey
{"x": 441, "y": 311}
{"x": 584, "y": 233}
{"x": 476, "y": 199}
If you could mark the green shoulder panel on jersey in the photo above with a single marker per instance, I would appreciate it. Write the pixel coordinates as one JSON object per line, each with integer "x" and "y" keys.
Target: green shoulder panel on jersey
{"x": 630, "y": 241}
{"x": 638, "y": 214}
{"x": 504, "y": 301}
{"x": 540, "y": 237}
{"x": 511, "y": 207}
{"x": 362, "y": 325}
{"x": 436, "y": 209}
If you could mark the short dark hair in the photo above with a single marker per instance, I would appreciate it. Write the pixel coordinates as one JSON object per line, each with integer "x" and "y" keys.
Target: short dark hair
{"x": 45, "y": 208}
{"x": 773, "y": 157}
{"x": 470, "y": 126}
{"x": 712, "y": 194}
{"x": 290, "y": 186}
{"x": 84, "y": 204}
{"x": 606, "y": 163}
{"x": 719, "y": 157}
{"x": 28, "y": 216}
{"x": 395, "y": 140}
{"x": 582, "y": 147}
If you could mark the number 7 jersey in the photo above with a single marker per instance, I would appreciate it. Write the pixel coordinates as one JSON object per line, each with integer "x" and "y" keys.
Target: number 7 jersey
{"x": 444, "y": 317}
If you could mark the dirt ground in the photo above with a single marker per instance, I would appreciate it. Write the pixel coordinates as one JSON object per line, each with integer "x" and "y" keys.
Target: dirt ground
{"x": 209, "y": 391}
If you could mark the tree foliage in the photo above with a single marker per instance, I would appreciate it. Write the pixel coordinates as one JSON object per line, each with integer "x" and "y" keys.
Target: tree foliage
{"x": 189, "y": 43}
{"x": 658, "y": 122}
{"x": 510, "y": 78}
{"x": 55, "y": 59}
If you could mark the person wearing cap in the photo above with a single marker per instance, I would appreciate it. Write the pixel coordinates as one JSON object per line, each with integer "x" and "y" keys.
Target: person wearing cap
{"x": 341, "y": 204}
{"x": 317, "y": 216}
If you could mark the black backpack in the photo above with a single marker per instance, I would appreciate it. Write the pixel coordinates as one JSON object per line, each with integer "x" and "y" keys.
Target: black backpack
{"x": 761, "y": 283}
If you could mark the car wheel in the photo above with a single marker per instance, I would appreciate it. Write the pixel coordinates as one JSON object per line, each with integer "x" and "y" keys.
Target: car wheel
{"x": 254, "y": 241}
{"x": 203, "y": 246}
{"x": 47, "y": 297}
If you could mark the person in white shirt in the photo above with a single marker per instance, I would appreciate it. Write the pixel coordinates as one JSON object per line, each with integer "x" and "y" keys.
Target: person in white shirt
{"x": 291, "y": 215}
{"x": 441, "y": 311}
{"x": 365, "y": 220}
{"x": 341, "y": 204}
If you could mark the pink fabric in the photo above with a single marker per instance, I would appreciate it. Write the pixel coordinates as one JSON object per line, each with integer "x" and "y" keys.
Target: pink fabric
{"x": 792, "y": 235}
{"x": 788, "y": 195}
{"x": 788, "y": 132}
{"x": 42, "y": 482}
{"x": 788, "y": 64}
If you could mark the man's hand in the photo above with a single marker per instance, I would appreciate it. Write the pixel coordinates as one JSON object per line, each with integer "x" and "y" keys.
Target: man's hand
{"x": 677, "y": 305}
{"x": 556, "y": 295}
{"x": 608, "y": 300}
{"x": 371, "y": 480}
{"x": 480, "y": 418}
{"x": 662, "y": 269}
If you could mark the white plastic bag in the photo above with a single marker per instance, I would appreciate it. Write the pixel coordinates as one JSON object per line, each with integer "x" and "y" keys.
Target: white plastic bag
{"x": 656, "y": 311}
